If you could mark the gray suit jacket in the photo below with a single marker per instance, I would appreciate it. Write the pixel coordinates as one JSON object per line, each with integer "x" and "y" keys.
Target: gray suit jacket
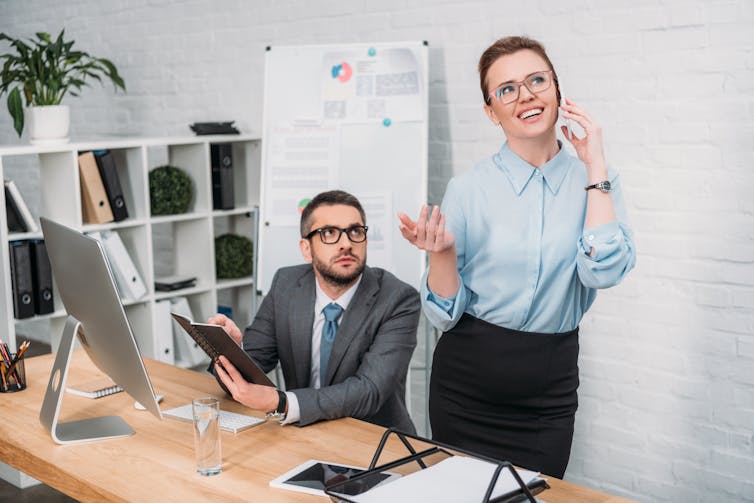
{"x": 366, "y": 373}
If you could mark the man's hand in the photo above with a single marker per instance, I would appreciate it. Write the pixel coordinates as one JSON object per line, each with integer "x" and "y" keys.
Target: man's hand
{"x": 229, "y": 326}
{"x": 254, "y": 396}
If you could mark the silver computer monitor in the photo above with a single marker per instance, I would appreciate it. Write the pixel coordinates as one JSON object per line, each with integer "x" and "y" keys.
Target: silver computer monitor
{"x": 85, "y": 282}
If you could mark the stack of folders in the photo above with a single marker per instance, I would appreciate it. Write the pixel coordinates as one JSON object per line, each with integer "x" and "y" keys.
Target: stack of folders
{"x": 102, "y": 195}
{"x": 127, "y": 278}
{"x": 31, "y": 278}
{"x": 19, "y": 218}
{"x": 96, "y": 388}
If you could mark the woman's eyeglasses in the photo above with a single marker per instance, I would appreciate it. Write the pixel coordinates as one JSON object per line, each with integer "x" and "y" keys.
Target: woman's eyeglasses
{"x": 535, "y": 83}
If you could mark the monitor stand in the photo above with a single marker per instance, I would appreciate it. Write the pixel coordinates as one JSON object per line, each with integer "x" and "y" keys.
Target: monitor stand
{"x": 84, "y": 430}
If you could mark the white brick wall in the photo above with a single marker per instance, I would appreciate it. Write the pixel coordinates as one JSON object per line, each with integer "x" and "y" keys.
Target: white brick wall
{"x": 667, "y": 360}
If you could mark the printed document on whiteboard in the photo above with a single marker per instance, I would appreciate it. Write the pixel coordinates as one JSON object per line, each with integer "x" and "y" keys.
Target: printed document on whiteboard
{"x": 375, "y": 84}
{"x": 303, "y": 161}
{"x": 378, "y": 208}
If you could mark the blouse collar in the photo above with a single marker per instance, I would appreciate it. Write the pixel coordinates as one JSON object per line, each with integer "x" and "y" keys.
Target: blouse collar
{"x": 519, "y": 172}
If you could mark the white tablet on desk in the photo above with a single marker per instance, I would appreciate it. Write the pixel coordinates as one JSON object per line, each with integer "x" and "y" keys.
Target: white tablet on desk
{"x": 312, "y": 476}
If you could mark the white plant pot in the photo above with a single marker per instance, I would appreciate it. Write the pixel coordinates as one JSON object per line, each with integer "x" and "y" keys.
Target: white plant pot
{"x": 48, "y": 125}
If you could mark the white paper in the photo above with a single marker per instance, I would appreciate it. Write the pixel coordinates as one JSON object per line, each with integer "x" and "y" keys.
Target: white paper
{"x": 303, "y": 162}
{"x": 457, "y": 479}
{"x": 375, "y": 84}
{"x": 378, "y": 208}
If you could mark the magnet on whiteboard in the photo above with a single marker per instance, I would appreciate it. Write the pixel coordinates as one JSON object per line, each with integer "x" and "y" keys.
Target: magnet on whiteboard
{"x": 386, "y": 122}
{"x": 372, "y": 51}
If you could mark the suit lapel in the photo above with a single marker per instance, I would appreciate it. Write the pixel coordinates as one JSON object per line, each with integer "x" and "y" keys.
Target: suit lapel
{"x": 352, "y": 321}
{"x": 301, "y": 318}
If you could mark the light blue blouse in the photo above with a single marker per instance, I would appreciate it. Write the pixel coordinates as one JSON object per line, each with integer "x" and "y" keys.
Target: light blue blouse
{"x": 522, "y": 247}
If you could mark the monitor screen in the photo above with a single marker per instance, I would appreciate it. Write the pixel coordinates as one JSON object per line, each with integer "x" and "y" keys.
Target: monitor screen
{"x": 86, "y": 286}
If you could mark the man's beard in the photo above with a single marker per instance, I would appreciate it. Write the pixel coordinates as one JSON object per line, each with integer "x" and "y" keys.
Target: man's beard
{"x": 329, "y": 274}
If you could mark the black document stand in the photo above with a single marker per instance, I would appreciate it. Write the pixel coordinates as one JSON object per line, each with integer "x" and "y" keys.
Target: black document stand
{"x": 340, "y": 490}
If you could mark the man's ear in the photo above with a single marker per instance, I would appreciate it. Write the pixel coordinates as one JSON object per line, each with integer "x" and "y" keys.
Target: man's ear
{"x": 306, "y": 249}
{"x": 491, "y": 115}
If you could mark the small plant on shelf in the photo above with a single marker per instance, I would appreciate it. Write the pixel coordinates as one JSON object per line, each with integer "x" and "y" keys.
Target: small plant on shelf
{"x": 234, "y": 256}
{"x": 170, "y": 190}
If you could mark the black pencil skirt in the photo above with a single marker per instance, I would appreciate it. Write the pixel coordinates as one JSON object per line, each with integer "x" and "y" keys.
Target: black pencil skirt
{"x": 506, "y": 394}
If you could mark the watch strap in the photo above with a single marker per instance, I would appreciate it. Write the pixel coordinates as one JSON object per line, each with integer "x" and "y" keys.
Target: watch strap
{"x": 279, "y": 413}
{"x": 282, "y": 402}
{"x": 603, "y": 186}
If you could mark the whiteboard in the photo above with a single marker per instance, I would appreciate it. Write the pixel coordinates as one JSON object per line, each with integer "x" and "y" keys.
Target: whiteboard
{"x": 350, "y": 117}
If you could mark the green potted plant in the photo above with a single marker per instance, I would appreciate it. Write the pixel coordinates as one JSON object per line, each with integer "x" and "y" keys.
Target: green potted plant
{"x": 171, "y": 190}
{"x": 44, "y": 71}
{"x": 234, "y": 256}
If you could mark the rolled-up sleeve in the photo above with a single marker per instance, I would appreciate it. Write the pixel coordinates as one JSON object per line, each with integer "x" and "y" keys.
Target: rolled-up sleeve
{"x": 442, "y": 312}
{"x": 613, "y": 244}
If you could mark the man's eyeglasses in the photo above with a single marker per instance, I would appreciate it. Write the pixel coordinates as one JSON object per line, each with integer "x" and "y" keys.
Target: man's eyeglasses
{"x": 331, "y": 235}
{"x": 535, "y": 83}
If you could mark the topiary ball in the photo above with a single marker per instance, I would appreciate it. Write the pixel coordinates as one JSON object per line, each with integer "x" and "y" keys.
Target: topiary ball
{"x": 234, "y": 256}
{"x": 170, "y": 190}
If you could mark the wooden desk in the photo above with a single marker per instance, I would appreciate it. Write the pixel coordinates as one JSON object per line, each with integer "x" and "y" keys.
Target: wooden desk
{"x": 157, "y": 463}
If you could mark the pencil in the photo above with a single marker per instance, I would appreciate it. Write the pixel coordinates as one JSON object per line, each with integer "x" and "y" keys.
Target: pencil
{"x": 21, "y": 350}
{"x": 9, "y": 372}
{"x": 19, "y": 355}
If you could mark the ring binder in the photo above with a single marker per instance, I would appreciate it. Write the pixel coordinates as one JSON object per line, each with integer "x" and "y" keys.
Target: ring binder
{"x": 349, "y": 490}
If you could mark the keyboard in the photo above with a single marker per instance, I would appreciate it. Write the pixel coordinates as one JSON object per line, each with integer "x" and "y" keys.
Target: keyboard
{"x": 229, "y": 421}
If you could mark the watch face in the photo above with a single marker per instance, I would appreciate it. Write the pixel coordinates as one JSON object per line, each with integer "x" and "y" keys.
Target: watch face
{"x": 604, "y": 186}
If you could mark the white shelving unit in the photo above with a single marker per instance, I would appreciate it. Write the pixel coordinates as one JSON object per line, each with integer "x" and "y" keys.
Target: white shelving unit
{"x": 162, "y": 245}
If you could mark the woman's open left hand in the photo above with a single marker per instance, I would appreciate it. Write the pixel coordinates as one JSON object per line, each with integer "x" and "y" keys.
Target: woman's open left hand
{"x": 429, "y": 235}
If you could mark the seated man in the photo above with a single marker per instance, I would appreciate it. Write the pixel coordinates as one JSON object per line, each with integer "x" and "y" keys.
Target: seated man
{"x": 343, "y": 332}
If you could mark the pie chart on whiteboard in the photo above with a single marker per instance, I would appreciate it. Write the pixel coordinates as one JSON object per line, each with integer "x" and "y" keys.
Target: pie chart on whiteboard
{"x": 342, "y": 72}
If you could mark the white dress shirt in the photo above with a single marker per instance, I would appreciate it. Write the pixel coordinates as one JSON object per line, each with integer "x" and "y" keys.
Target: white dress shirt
{"x": 320, "y": 301}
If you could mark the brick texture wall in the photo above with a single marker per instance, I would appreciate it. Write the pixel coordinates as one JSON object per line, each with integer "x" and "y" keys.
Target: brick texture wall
{"x": 667, "y": 358}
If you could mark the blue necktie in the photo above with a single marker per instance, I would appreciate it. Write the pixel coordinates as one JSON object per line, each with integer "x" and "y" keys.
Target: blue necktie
{"x": 332, "y": 312}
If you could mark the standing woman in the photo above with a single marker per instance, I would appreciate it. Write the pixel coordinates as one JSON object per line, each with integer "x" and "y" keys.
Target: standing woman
{"x": 516, "y": 256}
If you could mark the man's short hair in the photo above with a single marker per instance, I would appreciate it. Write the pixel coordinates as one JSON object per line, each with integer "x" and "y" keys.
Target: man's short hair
{"x": 329, "y": 198}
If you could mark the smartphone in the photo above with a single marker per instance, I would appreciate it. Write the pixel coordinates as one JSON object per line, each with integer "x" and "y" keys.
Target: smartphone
{"x": 569, "y": 131}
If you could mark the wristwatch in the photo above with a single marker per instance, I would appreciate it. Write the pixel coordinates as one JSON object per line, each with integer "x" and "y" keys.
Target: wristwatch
{"x": 603, "y": 186}
{"x": 279, "y": 413}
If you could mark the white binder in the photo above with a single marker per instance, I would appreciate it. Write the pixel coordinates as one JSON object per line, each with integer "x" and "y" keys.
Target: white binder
{"x": 127, "y": 277}
{"x": 187, "y": 351}
{"x": 163, "y": 347}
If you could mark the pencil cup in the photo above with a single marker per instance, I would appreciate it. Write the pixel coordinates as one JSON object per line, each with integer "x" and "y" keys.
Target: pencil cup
{"x": 207, "y": 436}
{"x": 14, "y": 376}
